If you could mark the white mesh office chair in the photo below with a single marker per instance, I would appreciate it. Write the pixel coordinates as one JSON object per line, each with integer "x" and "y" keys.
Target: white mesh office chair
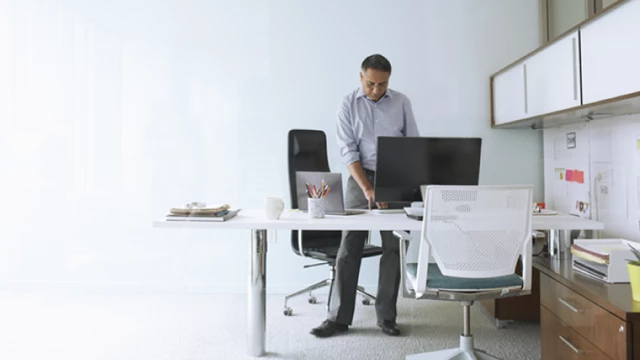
{"x": 476, "y": 235}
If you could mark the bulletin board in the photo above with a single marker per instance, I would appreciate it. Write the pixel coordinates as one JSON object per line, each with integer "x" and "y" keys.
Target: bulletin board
{"x": 592, "y": 170}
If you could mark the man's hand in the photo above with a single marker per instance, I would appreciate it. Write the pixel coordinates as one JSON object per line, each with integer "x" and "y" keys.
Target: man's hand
{"x": 369, "y": 194}
{"x": 358, "y": 174}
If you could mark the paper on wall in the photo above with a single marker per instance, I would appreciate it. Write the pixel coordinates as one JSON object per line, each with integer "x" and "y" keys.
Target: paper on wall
{"x": 600, "y": 145}
{"x": 559, "y": 183}
{"x": 573, "y": 175}
{"x": 559, "y": 147}
{"x": 638, "y": 190}
{"x": 636, "y": 156}
{"x": 580, "y": 203}
{"x": 610, "y": 191}
{"x": 618, "y": 191}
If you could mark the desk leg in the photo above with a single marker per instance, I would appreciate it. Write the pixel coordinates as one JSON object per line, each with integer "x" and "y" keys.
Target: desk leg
{"x": 559, "y": 244}
{"x": 257, "y": 294}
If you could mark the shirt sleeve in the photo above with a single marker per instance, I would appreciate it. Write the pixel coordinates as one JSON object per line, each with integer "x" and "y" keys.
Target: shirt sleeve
{"x": 410, "y": 126}
{"x": 346, "y": 138}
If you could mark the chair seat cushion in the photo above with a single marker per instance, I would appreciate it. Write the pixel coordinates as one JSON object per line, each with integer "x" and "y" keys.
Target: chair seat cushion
{"x": 436, "y": 280}
{"x": 331, "y": 252}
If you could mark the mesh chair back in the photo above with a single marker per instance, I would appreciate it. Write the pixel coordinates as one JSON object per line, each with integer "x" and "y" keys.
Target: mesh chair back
{"x": 477, "y": 231}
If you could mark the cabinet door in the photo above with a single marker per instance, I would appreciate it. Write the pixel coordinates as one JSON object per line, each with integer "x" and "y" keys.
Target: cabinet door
{"x": 509, "y": 95}
{"x": 610, "y": 54}
{"x": 553, "y": 76}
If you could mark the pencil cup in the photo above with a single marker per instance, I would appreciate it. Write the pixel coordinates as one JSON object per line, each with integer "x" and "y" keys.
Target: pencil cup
{"x": 316, "y": 208}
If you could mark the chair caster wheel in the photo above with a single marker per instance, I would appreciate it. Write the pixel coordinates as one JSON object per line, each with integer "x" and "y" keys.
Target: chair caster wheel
{"x": 312, "y": 300}
{"x": 288, "y": 311}
{"x": 366, "y": 302}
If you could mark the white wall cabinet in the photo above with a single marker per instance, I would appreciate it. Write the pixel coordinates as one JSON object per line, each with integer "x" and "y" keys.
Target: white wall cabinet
{"x": 509, "y": 95}
{"x": 553, "y": 77}
{"x": 546, "y": 82}
{"x": 610, "y": 53}
{"x": 592, "y": 70}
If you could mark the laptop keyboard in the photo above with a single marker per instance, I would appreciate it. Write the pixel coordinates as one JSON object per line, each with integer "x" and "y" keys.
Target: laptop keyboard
{"x": 388, "y": 211}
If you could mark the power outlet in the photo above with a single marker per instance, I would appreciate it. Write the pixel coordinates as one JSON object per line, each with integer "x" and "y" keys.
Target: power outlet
{"x": 272, "y": 236}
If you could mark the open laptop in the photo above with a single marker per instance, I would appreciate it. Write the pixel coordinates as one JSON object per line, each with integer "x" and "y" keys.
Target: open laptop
{"x": 334, "y": 199}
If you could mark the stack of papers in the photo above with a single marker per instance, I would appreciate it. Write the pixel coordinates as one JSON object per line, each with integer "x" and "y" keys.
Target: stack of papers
{"x": 220, "y": 213}
{"x": 602, "y": 259}
{"x": 597, "y": 253}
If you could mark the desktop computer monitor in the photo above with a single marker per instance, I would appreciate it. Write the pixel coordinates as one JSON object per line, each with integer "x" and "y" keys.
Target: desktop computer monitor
{"x": 403, "y": 164}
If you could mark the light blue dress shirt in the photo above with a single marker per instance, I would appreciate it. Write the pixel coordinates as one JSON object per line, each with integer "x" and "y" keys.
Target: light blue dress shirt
{"x": 361, "y": 120}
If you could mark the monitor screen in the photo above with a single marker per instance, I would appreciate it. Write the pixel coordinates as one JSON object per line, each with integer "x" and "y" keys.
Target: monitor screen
{"x": 405, "y": 163}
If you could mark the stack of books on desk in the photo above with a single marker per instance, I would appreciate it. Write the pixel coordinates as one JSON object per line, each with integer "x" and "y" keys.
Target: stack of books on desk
{"x": 220, "y": 213}
{"x": 602, "y": 259}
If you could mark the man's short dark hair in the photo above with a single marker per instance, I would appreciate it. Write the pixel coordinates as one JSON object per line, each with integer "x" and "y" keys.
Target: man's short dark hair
{"x": 376, "y": 62}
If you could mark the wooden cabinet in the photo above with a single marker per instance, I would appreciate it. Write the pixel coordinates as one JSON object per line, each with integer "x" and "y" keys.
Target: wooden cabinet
{"x": 583, "y": 318}
{"x": 559, "y": 341}
{"x": 597, "y": 327}
{"x": 509, "y": 95}
{"x": 553, "y": 77}
{"x": 609, "y": 53}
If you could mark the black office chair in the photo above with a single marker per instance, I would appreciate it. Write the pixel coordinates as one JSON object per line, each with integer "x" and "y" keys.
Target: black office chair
{"x": 308, "y": 152}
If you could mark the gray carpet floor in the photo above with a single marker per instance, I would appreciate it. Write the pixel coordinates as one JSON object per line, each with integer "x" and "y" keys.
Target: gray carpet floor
{"x": 83, "y": 325}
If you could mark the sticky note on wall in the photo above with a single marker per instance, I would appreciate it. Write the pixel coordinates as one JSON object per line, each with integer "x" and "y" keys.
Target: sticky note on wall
{"x": 569, "y": 175}
{"x": 576, "y": 176}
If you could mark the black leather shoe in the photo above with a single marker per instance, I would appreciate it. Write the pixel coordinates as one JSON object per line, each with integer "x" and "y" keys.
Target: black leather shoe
{"x": 389, "y": 327}
{"x": 329, "y": 328}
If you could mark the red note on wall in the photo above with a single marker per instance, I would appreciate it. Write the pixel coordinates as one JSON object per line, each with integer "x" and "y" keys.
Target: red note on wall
{"x": 579, "y": 176}
{"x": 569, "y": 175}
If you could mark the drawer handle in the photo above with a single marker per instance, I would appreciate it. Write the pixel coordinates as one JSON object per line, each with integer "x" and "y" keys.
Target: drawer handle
{"x": 575, "y": 349}
{"x": 573, "y": 308}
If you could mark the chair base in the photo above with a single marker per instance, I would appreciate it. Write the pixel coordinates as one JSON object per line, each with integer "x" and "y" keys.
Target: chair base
{"x": 464, "y": 352}
{"x": 367, "y": 298}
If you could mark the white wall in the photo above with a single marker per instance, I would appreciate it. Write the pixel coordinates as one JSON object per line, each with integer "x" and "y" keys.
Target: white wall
{"x": 112, "y": 112}
{"x": 609, "y": 148}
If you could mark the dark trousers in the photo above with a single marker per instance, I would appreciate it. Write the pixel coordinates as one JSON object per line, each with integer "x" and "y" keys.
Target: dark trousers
{"x": 343, "y": 294}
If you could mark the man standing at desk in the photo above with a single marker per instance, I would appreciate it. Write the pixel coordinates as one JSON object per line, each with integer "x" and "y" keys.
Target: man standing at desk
{"x": 368, "y": 112}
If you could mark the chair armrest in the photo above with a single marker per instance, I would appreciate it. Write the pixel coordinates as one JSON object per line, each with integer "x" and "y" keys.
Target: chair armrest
{"x": 403, "y": 237}
{"x": 300, "y": 248}
{"x": 527, "y": 264}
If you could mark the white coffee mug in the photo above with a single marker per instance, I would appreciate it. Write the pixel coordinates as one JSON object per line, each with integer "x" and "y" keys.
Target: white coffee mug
{"x": 316, "y": 208}
{"x": 273, "y": 207}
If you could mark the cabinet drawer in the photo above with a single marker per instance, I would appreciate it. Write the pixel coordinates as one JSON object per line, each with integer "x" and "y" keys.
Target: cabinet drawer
{"x": 596, "y": 325}
{"x": 560, "y": 342}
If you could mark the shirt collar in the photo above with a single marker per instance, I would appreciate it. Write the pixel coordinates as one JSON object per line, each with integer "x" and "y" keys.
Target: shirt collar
{"x": 387, "y": 93}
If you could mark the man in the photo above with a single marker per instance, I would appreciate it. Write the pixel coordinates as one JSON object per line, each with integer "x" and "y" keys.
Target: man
{"x": 368, "y": 112}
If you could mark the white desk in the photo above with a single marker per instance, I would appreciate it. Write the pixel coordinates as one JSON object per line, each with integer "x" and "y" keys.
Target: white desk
{"x": 258, "y": 224}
